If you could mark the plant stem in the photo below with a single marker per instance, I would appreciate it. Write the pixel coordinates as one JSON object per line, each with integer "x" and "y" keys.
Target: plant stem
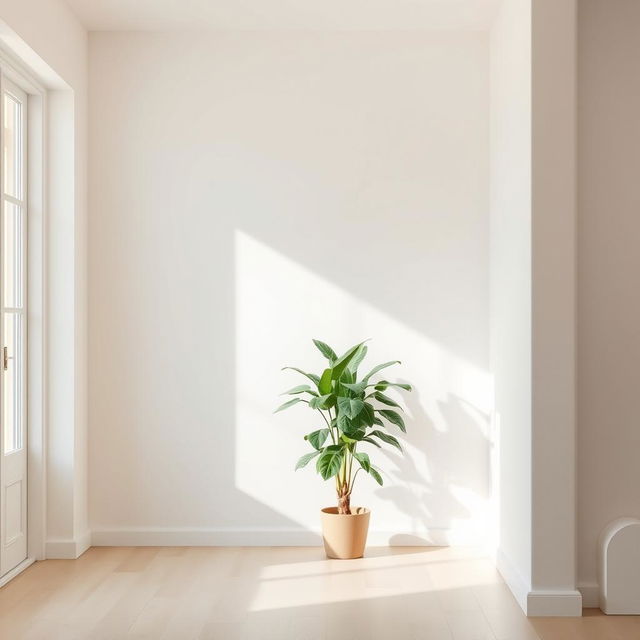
{"x": 328, "y": 425}
{"x": 344, "y": 495}
{"x": 353, "y": 481}
{"x": 350, "y": 466}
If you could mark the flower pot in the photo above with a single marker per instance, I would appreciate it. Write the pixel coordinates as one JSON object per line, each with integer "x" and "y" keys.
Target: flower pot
{"x": 345, "y": 536}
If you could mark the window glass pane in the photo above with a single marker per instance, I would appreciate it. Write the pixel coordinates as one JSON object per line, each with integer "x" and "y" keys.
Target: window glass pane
{"x": 12, "y": 255}
{"x": 12, "y": 389}
{"x": 12, "y": 152}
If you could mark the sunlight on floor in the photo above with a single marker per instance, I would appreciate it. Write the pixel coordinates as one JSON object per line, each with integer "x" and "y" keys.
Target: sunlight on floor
{"x": 393, "y": 592}
{"x": 384, "y": 572}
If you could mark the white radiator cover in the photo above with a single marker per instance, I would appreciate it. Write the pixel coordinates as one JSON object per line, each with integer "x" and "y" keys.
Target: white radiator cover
{"x": 619, "y": 567}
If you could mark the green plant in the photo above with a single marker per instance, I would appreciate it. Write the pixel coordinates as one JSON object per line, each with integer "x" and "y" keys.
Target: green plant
{"x": 354, "y": 411}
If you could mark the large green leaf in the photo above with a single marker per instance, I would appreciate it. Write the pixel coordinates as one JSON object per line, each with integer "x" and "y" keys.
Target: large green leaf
{"x": 347, "y": 376}
{"x": 357, "y": 359}
{"x": 368, "y": 415}
{"x": 380, "y": 397}
{"x": 351, "y": 427}
{"x": 376, "y": 475}
{"x": 385, "y": 437}
{"x": 301, "y": 388}
{"x": 317, "y": 438}
{"x": 329, "y": 462}
{"x": 377, "y": 421}
{"x": 288, "y": 404}
{"x": 344, "y": 424}
{"x": 379, "y": 368}
{"x": 323, "y": 402}
{"x": 371, "y": 441}
{"x": 364, "y": 461}
{"x": 394, "y": 417}
{"x": 354, "y": 436}
{"x": 312, "y": 376}
{"x": 326, "y": 350}
{"x": 361, "y": 421}
{"x": 324, "y": 386}
{"x": 383, "y": 384}
{"x": 350, "y": 407}
{"x": 357, "y": 388}
{"x": 306, "y": 458}
{"x": 341, "y": 364}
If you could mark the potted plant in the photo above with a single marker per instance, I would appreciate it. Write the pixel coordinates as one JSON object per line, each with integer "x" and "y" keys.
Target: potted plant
{"x": 356, "y": 412}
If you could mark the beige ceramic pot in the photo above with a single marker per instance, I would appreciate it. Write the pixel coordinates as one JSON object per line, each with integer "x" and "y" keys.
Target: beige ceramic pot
{"x": 345, "y": 536}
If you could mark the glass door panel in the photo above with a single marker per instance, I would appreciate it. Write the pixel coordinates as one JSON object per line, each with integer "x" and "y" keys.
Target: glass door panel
{"x": 12, "y": 255}
{"x": 12, "y": 144}
{"x": 13, "y": 329}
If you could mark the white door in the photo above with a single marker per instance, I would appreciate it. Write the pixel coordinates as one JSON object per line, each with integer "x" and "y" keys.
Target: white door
{"x": 13, "y": 328}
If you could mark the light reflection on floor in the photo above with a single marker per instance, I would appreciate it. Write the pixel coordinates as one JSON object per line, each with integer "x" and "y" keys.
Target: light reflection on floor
{"x": 397, "y": 592}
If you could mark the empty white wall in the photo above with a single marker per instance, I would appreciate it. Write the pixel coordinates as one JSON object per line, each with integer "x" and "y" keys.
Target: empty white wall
{"x": 250, "y": 192}
{"x": 609, "y": 263}
{"x": 511, "y": 285}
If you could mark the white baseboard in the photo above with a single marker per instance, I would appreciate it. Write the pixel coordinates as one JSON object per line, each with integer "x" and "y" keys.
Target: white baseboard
{"x": 203, "y": 538}
{"x": 156, "y": 537}
{"x": 590, "y": 594}
{"x": 68, "y": 549}
{"x": 513, "y": 578}
{"x": 565, "y": 603}
{"x": 537, "y": 603}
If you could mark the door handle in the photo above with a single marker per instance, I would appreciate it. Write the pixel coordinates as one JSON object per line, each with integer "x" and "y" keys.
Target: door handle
{"x": 5, "y": 358}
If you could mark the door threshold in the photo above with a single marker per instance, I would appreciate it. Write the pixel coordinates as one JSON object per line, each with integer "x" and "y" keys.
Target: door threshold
{"x": 10, "y": 575}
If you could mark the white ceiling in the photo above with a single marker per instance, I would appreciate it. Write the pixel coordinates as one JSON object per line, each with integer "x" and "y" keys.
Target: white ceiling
{"x": 104, "y": 15}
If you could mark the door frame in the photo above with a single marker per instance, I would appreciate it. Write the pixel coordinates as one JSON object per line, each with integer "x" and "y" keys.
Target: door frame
{"x": 37, "y": 325}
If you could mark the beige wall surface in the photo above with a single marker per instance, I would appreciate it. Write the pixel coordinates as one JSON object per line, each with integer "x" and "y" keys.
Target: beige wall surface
{"x": 553, "y": 316}
{"x": 609, "y": 268}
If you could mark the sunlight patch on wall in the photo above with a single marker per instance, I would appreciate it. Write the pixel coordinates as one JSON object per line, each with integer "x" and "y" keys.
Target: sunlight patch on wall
{"x": 439, "y": 489}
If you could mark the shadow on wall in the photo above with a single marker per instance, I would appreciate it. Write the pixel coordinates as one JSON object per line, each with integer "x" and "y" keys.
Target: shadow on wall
{"x": 437, "y": 491}
{"x": 451, "y": 457}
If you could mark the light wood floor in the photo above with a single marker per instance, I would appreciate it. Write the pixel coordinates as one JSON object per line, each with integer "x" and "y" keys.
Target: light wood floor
{"x": 278, "y": 594}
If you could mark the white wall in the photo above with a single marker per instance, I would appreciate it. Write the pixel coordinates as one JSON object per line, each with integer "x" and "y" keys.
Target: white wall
{"x": 609, "y": 263}
{"x": 47, "y": 38}
{"x": 511, "y": 285}
{"x": 533, "y": 218}
{"x": 250, "y": 192}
